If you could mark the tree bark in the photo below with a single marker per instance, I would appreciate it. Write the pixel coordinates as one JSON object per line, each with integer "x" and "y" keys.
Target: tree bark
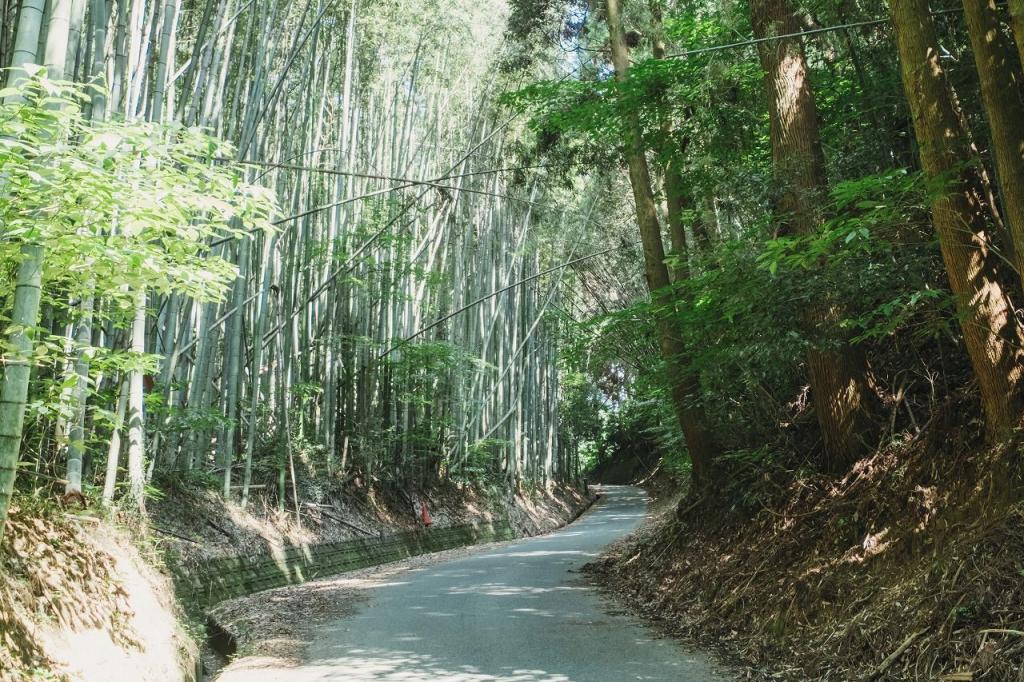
{"x": 233, "y": 361}
{"x": 959, "y": 214}
{"x": 27, "y": 292}
{"x": 677, "y": 199}
{"x": 840, "y": 391}
{"x": 26, "y": 40}
{"x": 98, "y": 17}
{"x": 684, "y": 383}
{"x": 114, "y": 447}
{"x": 256, "y": 364}
{"x": 74, "y": 49}
{"x": 58, "y": 28}
{"x": 165, "y": 59}
{"x": 136, "y": 414}
{"x": 17, "y": 369}
{"x": 1017, "y": 23}
{"x": 1002, "y": 93}
{"x": 55, "y": 58}
{"x": 76, "y": 431}
{"x": 83, "y": 335}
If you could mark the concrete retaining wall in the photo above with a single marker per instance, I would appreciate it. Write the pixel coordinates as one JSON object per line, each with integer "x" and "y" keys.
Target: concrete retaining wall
{"x": 203, "y": 585}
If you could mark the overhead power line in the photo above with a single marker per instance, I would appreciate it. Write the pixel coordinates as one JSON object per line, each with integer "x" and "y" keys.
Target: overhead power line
{"x": 370, "y": 176}
{"x": 801, "y": 33}
{"x": 491, "y": 295}
{"x": 406, "y": 183}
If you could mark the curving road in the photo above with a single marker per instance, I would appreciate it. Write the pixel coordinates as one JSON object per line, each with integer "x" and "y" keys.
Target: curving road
{"x": 513, "y": 612}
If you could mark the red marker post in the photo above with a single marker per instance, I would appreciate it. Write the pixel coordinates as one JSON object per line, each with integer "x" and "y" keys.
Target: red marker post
{"x": 425, "y": 514}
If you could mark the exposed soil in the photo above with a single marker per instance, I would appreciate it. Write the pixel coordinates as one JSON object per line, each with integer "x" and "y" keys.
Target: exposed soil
{"x": 909, "y": 568}
{"x": 77, "y": 600}
{"x": 198, "y": 524}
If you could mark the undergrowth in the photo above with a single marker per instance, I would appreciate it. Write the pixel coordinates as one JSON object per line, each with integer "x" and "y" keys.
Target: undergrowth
{"x": 911, "y": 567}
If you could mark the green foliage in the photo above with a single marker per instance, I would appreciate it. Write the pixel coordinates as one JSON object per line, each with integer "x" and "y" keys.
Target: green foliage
{"x": 581, "y": 413}
{"x": 478, "y": 467}
{"x": 748, "y": 310}
{"x": 581, "y": 405}
{"x": 191, "y": 479}
{"x": 875, "y": 252}
{"x": 118, "y": 206}
{"x": 740, "y": 315}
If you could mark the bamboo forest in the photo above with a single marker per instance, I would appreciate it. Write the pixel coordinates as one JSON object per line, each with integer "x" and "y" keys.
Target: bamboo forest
{"x": 512, "y": 340}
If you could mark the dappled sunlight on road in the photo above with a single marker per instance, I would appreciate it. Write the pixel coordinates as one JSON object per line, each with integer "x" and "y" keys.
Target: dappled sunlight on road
{"x": 383, "y": 664}
{"x": 502, "y": 590}
{"x": 515, "y": 612}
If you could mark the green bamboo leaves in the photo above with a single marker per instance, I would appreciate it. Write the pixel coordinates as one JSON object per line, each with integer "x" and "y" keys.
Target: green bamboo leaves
{"x": 103, "y": 212}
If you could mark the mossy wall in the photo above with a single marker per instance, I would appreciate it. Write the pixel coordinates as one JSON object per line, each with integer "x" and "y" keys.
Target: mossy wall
{"x": 204, "y": 584}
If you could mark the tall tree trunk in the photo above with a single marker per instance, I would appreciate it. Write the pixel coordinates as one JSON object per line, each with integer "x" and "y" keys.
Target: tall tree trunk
{"x": 1017, "y": 22}
{"x": 233, "y": 361}
{"x": 26, "y": 40}
{"x": 165, "y": 59}
{"x": 1002, "y": 90}
{"x": 677, "y": 199}
{"x": 83, "y": 334}
{"x": 76, "y": 430}
{"x": 959, "y": 215}
{"x": 839, "y": 385}
{"x": 27, "y": 292}
{"x": 256, "y": 364}
{"x": 117, "y": 82}
{"x": 98, "y": 18}
{"x": 114, "y": 447}
{"x": 136, "y": 414}
{"x": 74, "y": 48}
{"x": 684, "y": 382}
{"x": 54, "y": 58}
{"x": 17, "y": 369}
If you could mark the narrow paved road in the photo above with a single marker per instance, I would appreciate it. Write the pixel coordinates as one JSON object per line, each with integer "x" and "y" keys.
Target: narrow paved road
{"x": 514, "y": 612}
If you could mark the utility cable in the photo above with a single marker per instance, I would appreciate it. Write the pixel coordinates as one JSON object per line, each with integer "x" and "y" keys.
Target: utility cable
{"x": 801, "y": 33}
{"x": 488, "y": 297}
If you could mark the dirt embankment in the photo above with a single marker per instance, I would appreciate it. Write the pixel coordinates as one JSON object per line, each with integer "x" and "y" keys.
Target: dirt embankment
{"x": 909, "y": 568}
{"x": 197, "y": 524}
{"x": 79, "y": 603}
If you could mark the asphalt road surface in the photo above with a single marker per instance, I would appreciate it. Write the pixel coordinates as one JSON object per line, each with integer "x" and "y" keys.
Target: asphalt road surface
{"x": 517, "y": 611}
